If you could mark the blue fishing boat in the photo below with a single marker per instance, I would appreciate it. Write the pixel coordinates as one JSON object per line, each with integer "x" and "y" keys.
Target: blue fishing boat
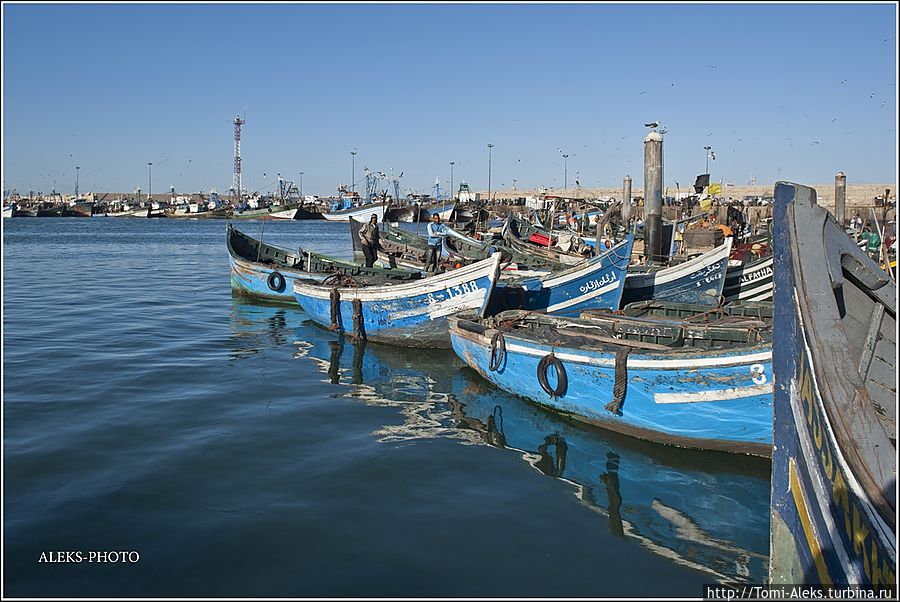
{"x": 703, "y": 386}
{"x": 699, "y": 280}
{"x": 411, "y": 314}
{"x": 710, "y": 516}
{"x": 834, "y": 469}
{"x": 595, "y": 283}
{"x": 749, "y": 280}
{"x": 268, "y": 272}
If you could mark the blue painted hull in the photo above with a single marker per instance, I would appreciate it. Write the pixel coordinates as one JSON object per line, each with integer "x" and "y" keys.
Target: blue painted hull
{"x": 691, "y": 398}
{"x": 831, "y": 522}
{"x": 698, "y": 281}
{"x": 410, "y": 315}
{"x": 597, "y": 284}
{"x": 252, "y": 279}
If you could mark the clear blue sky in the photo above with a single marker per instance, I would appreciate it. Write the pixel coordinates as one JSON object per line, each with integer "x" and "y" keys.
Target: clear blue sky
{"x": 779, "y": 91}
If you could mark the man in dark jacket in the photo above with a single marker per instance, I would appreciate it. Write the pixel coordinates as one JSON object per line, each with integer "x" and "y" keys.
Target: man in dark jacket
{"x": 368, "y": 235}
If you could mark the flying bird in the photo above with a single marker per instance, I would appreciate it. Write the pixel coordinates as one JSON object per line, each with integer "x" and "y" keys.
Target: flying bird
{"x": 833, "y": 120}
{"x": 642, "y": 93}
{"x": 652, "y": 124}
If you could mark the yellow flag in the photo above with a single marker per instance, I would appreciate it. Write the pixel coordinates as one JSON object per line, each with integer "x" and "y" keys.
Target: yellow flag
{"x": 715, "y": 189}
{"x": 705, "y": 204}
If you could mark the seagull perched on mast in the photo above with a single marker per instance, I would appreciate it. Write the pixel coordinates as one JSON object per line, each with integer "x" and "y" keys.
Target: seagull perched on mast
{"x": 652, "y": 124}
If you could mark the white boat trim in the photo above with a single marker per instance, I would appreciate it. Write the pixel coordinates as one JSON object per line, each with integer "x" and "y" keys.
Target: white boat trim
{"x": 714, "y": 394}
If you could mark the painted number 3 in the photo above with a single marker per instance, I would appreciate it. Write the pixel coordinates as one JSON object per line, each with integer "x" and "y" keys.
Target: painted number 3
{"x": 760, "y": 371}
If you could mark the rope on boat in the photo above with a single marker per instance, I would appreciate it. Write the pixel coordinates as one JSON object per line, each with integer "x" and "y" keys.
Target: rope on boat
{"x": 621, "y": 384}
{"x": 498, "y": 343}
{"x": 359, "y": 333}
{"x": 335, "y": 308}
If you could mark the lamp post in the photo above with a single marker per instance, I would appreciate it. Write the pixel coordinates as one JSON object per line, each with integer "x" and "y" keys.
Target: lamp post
{"x": 452, "y": 194}
{"x": 353, "y": 173}
{"x": 301, "y": 187}
{"x": 490, "y": 146}
{"x": 76, "y": 182}
{"x": 149, "y": 181}
{"x": 707, "y": 149}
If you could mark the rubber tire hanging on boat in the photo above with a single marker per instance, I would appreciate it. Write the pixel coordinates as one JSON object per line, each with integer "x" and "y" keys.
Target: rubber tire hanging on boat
{"x": 562, "y": 381}
{"x": 497, "y": 358}
{"x": 276, "y": 282}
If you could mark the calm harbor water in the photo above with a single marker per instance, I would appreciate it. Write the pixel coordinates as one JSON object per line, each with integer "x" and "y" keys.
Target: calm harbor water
{"x": 242, "y": 451}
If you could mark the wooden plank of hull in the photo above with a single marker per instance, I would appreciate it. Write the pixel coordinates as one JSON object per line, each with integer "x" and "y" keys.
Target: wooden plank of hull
{"x": 833, "y": 517}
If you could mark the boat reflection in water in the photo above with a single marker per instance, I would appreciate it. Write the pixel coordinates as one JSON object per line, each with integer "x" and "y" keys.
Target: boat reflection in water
{"x": 704, "y": 510}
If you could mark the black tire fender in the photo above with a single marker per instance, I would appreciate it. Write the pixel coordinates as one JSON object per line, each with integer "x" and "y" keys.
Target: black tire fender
{"x": 562, "y": 382}
{"x": 276, "y": 282}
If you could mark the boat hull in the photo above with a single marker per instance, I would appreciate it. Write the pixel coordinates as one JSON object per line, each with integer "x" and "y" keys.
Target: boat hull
{"x": 410, "y": 315}
{"x": 717, "y": 400}
{"x": 596, "y": 284}
{"x": 273, "y": 276}
{"x": 697, "y": 281}
{"x": 833, "y": 514}
{"x": 362, "y": 213}
{"x": 752, "y": 281}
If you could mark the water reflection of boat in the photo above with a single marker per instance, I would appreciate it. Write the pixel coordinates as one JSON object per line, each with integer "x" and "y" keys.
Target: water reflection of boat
{"x": 706, "y": 511}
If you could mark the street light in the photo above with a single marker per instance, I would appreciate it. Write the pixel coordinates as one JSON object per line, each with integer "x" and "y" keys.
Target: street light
{"x": 566, "y": 169}
{"x": 301, "y": 187}
{"x": 452, "y": 163}
{"x": 490, "y": 146}
{"x": 707, "y": 149}
{"x": 76, "y": 182}
{"x": 149, "y": 181}
{"x": 353, "y": 173}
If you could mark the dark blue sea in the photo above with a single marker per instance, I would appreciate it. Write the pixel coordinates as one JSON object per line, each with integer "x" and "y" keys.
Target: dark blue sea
{"x": 221, "y": 447}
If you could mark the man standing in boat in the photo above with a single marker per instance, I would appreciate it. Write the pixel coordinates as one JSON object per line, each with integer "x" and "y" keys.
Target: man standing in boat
{"x": 368, "y": 235}
{"x": 436, "y": 233}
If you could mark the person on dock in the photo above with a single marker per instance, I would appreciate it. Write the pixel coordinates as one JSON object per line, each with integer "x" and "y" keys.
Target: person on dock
{"x": 369, "y": 236}
{"x": 436, "y": 233}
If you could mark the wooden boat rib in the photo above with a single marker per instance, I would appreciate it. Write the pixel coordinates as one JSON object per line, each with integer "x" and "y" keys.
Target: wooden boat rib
{"x": 834, "y": 468}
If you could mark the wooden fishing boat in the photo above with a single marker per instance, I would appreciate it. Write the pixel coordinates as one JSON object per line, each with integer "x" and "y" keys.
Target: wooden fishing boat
{"x": 265, "y": 271}
{"x": 834, "y": 469}
{"x": 412, "y": 315}
{"x": 699, "y": 280}
{"x": 706, "y": 386}
{"x": 409, "y": 250}
{"x": 594, "y": 283}
{"x": 350, "y": 205}
{"x": 749, "y": 280}
{"x": 527, "y": 238}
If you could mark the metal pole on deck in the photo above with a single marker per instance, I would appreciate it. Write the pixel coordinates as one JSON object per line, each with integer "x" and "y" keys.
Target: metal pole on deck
{"x": 653, "y": 196}
{"x": 840, "y": 199}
